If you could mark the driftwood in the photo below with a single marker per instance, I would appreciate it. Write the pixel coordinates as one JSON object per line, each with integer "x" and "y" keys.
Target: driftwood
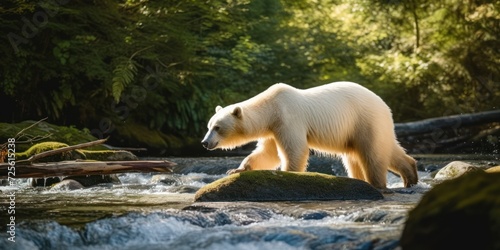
{"x": 70, "y": 168}
{"x": 467, "y": 133}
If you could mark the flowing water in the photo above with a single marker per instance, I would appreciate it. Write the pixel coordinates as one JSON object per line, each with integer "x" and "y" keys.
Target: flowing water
{"x": 141, "y": 214}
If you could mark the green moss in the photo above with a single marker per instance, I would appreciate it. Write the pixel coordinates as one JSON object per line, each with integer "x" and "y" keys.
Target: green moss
{"x": 463, "y": 213}
{"x": 42, "y": 147}
{"x": 278, "y": 185}
{"x": 47, "y": 146}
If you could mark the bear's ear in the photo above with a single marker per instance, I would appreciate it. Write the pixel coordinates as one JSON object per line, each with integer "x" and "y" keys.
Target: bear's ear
{"x": 237, "y": 112}
{"x": 218, "y": 108}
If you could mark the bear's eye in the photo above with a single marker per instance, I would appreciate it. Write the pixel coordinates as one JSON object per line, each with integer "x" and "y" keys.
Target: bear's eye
{"x": 216, "y": 128}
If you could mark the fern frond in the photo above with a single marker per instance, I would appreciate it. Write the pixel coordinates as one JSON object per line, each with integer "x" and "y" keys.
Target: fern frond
{"x": 123, "y": 75}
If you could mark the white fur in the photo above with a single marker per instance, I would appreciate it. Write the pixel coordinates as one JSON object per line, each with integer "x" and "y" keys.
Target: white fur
{"x": 340, "y": 118}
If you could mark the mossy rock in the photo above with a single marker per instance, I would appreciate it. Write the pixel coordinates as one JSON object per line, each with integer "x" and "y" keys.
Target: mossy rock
{"x": 69, "y": 135}
{"x": 463, "y": 213}
{"x": 286, "y": 186}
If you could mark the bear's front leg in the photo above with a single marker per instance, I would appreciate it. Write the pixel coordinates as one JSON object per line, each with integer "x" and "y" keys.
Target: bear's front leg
{"x": 294, "y": 152}
{"x": 264, "y": 157}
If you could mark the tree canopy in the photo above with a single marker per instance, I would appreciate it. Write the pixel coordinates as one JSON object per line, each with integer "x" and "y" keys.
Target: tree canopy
{"x": 152, "y": 72}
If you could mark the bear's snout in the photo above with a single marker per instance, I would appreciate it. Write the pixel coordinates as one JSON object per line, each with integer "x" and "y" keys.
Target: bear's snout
{"x": 204, "y": 143}
{"x": 208, "y": 142}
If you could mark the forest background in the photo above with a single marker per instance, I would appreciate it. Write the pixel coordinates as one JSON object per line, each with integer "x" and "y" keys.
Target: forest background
{"x": 150, "y": 73}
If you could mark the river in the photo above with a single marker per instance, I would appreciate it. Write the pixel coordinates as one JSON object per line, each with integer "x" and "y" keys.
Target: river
{"x": 141, "y": 214}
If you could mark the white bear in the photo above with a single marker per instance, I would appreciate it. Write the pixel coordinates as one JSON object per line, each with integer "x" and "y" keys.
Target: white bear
{"x": 340, "y": 118}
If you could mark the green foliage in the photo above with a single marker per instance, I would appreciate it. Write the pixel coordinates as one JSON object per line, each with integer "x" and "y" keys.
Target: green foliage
{"x": 439, "y": 56}
{"x": 164, "y": 65}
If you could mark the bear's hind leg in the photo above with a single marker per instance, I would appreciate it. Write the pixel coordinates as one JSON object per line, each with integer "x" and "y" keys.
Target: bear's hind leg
{"x": 405, "y": 166}
{"x": 374, "y": 167}
{"x": 264, "y": 157}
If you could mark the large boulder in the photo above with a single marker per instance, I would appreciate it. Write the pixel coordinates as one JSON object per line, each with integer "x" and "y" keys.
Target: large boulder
{"x": 286, "y": 186}
{"x": 463, "y": 213}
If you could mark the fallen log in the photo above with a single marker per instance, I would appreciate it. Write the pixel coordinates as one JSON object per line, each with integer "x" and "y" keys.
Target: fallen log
{"x": 467, "y": 133}
{"x": 71, "y": 168}
{"x": 447, "y": 122}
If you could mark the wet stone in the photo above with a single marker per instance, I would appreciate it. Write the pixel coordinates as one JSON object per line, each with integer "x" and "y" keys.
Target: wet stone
{"x": 184, "y": 189}
{"x": 67, "y": 185}
{"x": 314, "y": 215}
{"x": 455, "y": 169}
{"x": 166, "y": 179}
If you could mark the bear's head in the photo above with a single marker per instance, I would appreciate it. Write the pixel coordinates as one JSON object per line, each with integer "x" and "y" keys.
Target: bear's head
{"x": 225, "y": 129}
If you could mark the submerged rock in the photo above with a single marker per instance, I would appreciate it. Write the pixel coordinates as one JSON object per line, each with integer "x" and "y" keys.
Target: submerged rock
{"x": 455, "y": 169}
{"x": 286, "y": 186}
{"x": 463, "y": 213}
